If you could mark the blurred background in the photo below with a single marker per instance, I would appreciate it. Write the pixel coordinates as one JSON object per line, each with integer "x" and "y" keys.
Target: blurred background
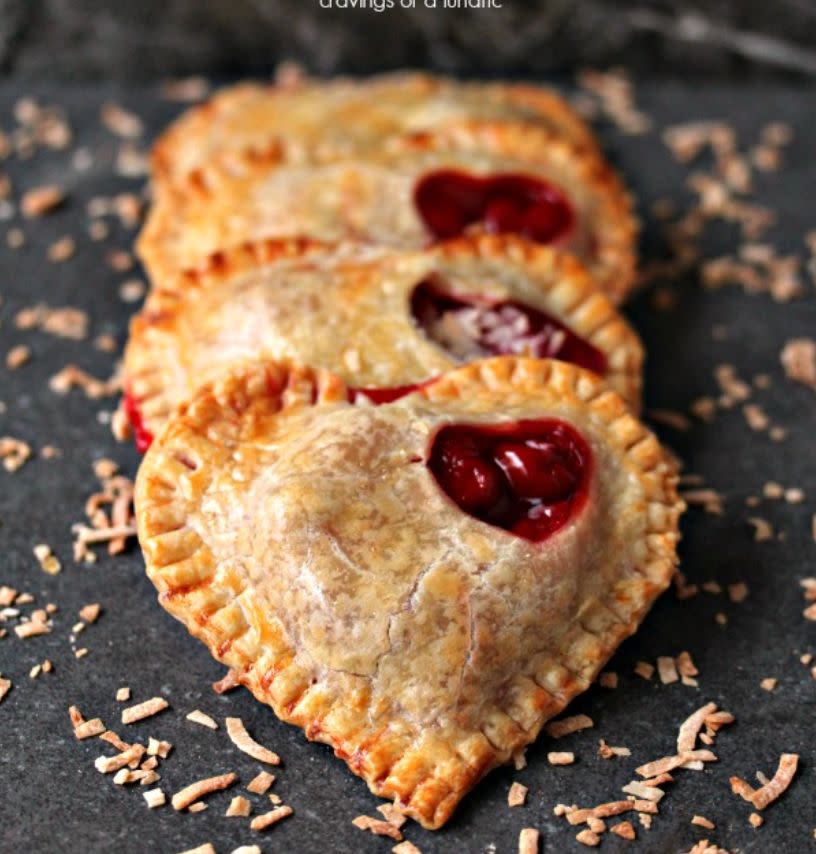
{"x": 142, "y": 39}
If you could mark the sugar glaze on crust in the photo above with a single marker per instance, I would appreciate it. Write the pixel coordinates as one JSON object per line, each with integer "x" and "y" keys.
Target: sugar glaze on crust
{"x": 315, "y": 120}
{"x": 346, "y": 308}
{"x": 372, "y": 200}
{"x": 301, "y": 538}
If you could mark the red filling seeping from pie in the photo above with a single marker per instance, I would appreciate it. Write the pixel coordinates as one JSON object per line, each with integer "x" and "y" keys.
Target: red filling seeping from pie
{"x": 450, "y": 201}
{"x": 529, "y": 477}
{"x": 472, "y": 327}
{"x": 142, "y": 437}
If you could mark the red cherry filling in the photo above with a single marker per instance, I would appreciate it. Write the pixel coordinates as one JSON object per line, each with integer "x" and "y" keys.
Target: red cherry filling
{"x": 387, "y": 394}
{"x": 142, "y": 437}
{"x": 529, "y": 477}
{"x": 450, "y": 201}
{"x": 471, "y": 327}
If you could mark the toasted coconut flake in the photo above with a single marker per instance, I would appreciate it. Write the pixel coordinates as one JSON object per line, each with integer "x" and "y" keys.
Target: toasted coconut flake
{"x": 755, "y": 820}
{"x": 687, "y": 735}
{"x": 644, "y": 669}
{"x": 701, "y": 821}
{"x": 606, "y": 751}
{"x": 72, "y": 376}
{"x": 560, "y": 758}
{"x": 405, "y": 847}
{"x": 391, "y": 813}
{"x": 109, "y": 764}
{"x": 121, "y": 122}
{"x": 259, "y": 785}
{"x": 375, "y": 825}
{"x": 625, "y": 830}
{"x": 704, "y": 847}
{"x": 154, "y": 798}
{"x": 123, "y": 694}
{"x": 528, "y": 841}
{"x": 767, "y": 794}
{"x": 190, "y": 794}
{"x": 567, "y": 726}
{"x": 228, "y": 682}
{"x": 5, "y": 687}
{"x": 206, "y": 848}
{"x": 738, "y": 592}
{"x": 607, "y": 679}
{"x": 588, "y": 838}
{"x": 246, "y": 744}
{"x": 239, "y": 807}
{"x": 112, "y": 738}
{"x": 768, "y": 684}
{"x": 517, "y": 795}
{"x": 198, "y": 806}
{"x": 607, "y": 810}
{"x": 147, "y": 709}
{"x": 666, "y": 669}
{"x": 41, "y": 200}
{"x": 88, "y": 729}
{"x": 261, "y": 822}
{"x": 685, "y": 665}
{"x": 7, "y": 596}
{"x": 798, "y": 358}
{"x": 90, "y": 613}
{"x": 31, "y": 629}
{"x": 199, "y": 717}
{"x": 14, "y": 453}
{"x": 17, "y": 357}
{"x": 247, "y": 849}
{"x": 669, "y": 763}
{"x": 640, "y": 789}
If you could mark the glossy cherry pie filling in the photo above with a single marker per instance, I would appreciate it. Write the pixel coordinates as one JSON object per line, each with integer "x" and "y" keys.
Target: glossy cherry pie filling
{"x": 530, "y": 477}
{"x": 449, "y": 202}
{"x": 472, "y": 327}
{"x": 142, "y": 437}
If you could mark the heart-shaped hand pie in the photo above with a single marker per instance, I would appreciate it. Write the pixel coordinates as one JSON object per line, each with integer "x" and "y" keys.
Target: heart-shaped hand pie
{"x": 375, "y": 317}
{"x": 472, "y": 178}
{"x": 384, "y": 577}
{"x": 312, "y": 121}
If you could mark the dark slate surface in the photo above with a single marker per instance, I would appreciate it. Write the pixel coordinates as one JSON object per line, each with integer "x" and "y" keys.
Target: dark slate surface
{"x": 52, "y": 799}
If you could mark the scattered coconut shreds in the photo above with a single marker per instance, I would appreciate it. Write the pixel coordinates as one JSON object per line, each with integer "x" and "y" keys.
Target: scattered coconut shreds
{"x": 41, "y": 200}
{"x": 768, "y": 684}
{"x": 109, "y": 764}
{"x": 391, "y": 813}
{"x": 112, "y": 738}
{"x": 738, "y": 592}
{"x": 259, "y": 785}
{"x": 206, "y": 848}
{"x": 624, "y": 829}
{"x": 588, "y": 838}
{"x": 668, "y": 763}
{"x": 517, "y": 795}
{"x": 798, "y": 358}
{"x": 121, "y": 122}
{"x": 701, "y": 821}
{"x": 154, "y": 798}
{"x": 90, "y": 613}
{"x": 608, "y": 679}
{"x": 606, "y": 751}
{"x": 608, "y": 810}
{"x": 31, "y": 629}
{"x": 262, "y": 822}
{"x": 639, "y": 789}
{"x": 190, "y": 794}
{"x": 17, "y": 357}
{"x": 61, "y": 250}
{"x": 363, "y": 822}
{"x": 667, "y": 670}
{"x": 405, "y": 847}
{"x": 709, "y": 499}
{"x": 528, "y": 841}
{"x": 706, "y": 847}
{"x": 690, "y": 728}
{"x": 7, "y": 595}
{"x": 755, "y": 820}
{"x": 62, "y": 322}
{"x": 5, "y": 687}
{"x": 228, "y": 682}
{"x": 144, "y": 710}
{"x": 158, "y": 748}
{"x": 239, "y": 807}
{"x": 567, "y": 726}
{"x": 14, "y": 453}
{"x": 246, "y": 744}
{"x": 88, "y": 729}
{"x": 560, "y": 758}
{"x": 72, "y": 376}
{"x": 644, "y": 669}
{"x": 768, "y": 793}
{"x": 247, "y": 849}
{"x": 49, "y": 563}
{"x": 763, "y": 529}
{"x": 199, "y": 717}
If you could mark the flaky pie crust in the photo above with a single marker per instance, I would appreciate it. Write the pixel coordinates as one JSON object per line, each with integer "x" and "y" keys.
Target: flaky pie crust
{"x": 314, "y": 120}
{"x": 372, "y": 199}
{"x": 346, "y": 308}
{"x": 302, "y": 539}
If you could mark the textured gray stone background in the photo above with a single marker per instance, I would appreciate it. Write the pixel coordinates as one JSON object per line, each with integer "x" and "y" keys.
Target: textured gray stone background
{"x": 144, "y": 38}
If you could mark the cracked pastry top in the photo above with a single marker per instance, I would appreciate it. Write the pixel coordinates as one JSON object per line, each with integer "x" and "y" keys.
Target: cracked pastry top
{"x": 470, "y": 178}
{"x": 374, "y": 316}
{"x": 420, "y": 584}
{"x": 317, "y": 120}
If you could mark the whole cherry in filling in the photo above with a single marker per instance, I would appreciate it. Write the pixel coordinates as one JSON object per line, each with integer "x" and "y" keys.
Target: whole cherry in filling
{"x": 450, "y": 201}
{"x": 474, "y": 326}
{"x": 529, "y": 477}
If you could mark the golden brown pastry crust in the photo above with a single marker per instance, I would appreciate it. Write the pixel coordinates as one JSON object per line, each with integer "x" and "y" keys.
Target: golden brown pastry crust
{"x": 296, "y": 536}
{"x": 319, "y": 120}
{"x": 372, "y": 200}
{"x": 346, "y": 308}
